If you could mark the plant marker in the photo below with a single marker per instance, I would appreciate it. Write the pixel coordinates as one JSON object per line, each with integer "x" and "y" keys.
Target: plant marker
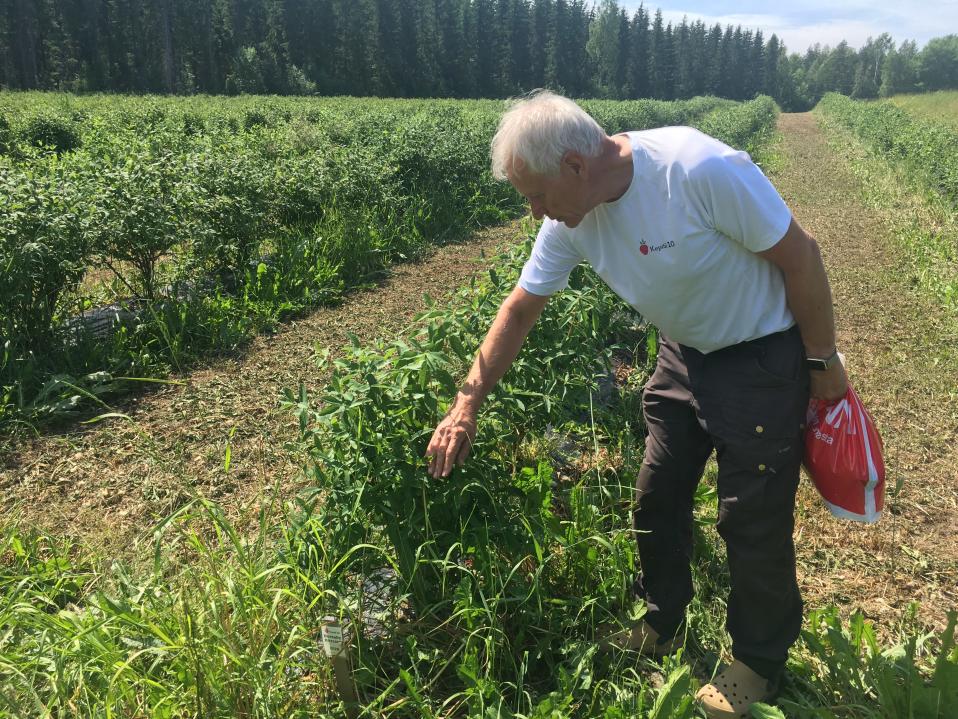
{"x": 336, "y": 646}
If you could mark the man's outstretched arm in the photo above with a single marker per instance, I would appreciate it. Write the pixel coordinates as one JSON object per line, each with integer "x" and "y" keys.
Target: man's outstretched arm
{"x": 452, "y": 440}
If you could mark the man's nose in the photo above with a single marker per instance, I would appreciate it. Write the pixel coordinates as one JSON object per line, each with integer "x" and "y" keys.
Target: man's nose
{"x": 538, "y": 210}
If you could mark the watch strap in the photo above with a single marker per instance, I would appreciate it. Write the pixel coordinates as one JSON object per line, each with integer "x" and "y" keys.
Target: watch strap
{"x": 821, "y": 364}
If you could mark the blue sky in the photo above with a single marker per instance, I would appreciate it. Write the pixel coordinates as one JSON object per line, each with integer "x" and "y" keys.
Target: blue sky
{"x": 802, "y": 23}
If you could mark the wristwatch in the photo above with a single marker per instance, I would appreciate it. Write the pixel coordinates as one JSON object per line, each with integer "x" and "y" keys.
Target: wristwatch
{"x": 820, "y": 365}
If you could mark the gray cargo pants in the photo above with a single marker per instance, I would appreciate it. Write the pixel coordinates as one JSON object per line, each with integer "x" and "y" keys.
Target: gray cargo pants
{"x": 748, "y": 403}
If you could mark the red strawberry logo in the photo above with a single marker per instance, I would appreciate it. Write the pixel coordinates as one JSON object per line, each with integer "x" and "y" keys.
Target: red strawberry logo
{"x": 644, "y": 248}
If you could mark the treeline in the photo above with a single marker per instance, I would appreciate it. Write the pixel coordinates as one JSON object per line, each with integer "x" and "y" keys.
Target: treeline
{"x": 430, "y": 48}
{"x": 878, "y": 69}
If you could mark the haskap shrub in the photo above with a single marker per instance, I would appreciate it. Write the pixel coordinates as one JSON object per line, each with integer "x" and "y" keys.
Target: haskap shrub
{"x": 51, "y": 131}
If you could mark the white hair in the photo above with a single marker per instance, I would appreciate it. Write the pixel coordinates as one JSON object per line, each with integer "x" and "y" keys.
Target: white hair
{"x": 538, "y": 129}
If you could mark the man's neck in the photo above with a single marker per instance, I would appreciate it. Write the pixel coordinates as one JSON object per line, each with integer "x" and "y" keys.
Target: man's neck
{"x": 613, "y": 169}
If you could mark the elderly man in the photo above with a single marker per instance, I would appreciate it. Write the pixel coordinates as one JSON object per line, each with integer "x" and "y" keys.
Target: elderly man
{"x": 691, "y": 234}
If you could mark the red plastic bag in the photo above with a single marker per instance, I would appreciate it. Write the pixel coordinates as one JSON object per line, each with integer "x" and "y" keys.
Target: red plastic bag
{"x": 843, "y": 455}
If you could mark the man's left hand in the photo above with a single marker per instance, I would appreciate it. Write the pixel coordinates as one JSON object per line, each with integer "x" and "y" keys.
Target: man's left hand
{"x": 829, "y": 385}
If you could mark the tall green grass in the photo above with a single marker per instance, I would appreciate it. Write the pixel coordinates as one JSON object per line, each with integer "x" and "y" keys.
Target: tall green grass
{"x": 941, "y": 106}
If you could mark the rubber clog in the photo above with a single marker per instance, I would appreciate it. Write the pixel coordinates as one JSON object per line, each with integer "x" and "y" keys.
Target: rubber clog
{"x": 638, "y": 637}
{"x": 733, "y": 691}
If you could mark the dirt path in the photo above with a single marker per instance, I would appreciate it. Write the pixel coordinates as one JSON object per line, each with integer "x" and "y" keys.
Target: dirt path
{"x": 897, "y": 347}
{"x": 106, "y": 483}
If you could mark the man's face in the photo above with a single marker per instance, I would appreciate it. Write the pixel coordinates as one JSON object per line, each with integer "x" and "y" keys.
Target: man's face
{"x": 561, "y": 197}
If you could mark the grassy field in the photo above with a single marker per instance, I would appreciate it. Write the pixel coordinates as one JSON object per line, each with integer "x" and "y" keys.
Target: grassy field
{"x": 480, "y": 595}
{"x": 939, "y": 106}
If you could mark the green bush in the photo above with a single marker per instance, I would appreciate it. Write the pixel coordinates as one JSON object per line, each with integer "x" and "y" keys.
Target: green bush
{"x": 234, "y": 207}
{"x": 50, "y": 131}
{"x": 926, "y": 149}
{"x": 5, "y": 134}
{"x": 369, "y": 448}
{"x": 45, "y": 218}
{"x": 193, "y": 123}
{"x": 747, "y": 126}
{"x": 142, "y": 211}
{"x": 196, "y": 194}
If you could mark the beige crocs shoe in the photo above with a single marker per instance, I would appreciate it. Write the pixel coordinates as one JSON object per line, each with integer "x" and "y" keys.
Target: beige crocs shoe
{"x": 732, "y": 692}
{"x": 638, "y": 637}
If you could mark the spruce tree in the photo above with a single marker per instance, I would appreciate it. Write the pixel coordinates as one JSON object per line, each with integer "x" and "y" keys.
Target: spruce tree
{"x": 639, "y": 55}
{"x": 541, "y": 39}
{"x": 604, "y": 47}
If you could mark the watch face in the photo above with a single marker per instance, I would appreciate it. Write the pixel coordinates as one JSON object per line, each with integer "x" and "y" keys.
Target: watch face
{"x": 816, "y": 364}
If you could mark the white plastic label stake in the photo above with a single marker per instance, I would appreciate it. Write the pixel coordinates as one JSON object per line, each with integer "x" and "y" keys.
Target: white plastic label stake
{"x": 332, "y": 634}
{"x": 336, "y": 647}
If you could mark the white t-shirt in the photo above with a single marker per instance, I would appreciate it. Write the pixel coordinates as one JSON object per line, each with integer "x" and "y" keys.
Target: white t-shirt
{"x": 679, "y": 244}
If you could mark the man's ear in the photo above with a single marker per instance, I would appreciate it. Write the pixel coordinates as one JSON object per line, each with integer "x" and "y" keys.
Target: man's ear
{"x": 574, "y": 163}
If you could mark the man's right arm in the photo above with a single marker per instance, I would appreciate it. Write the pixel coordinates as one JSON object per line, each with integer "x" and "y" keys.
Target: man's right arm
{"x": 452, "y": 440}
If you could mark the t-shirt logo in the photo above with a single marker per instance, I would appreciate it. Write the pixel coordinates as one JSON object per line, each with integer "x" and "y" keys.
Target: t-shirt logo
{"x": 646, "y": 249}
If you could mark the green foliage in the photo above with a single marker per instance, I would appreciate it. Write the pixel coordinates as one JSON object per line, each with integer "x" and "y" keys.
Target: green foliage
{"x": 876, "y": 69}
{"x": 850, "y": 672}
{"x": 921, "y": 215}
{"x": 139, "y": 211}
{"x": 622, "y": 116}
{"x": 50, "y": 131}
{"x": 238, "y": 211}
{"x": 477, "y": 595}
{"x": 900, "y": 71}
{"x": 5, "y": 134}
{"x": 927, "y": 149}
{"x": 45, "y": 223}
{"x": 489, "y": 558}
{"x": 451, "y": 48}
{"x": 748, "y": 126}
{"x": 381, "y": 403}
{"x": 222, "y": 639}
{"x": 43, "y": 567}
{"x": 233, "y": 211}
{"x": 938, "y": 63}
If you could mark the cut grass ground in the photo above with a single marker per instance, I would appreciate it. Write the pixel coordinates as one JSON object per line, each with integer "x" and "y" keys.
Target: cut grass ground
{"x": 899, "y": 345}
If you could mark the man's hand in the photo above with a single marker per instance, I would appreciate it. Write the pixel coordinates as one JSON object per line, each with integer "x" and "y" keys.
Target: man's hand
{"x": 452, "y": 441}
{"x": 830, "y": 384}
